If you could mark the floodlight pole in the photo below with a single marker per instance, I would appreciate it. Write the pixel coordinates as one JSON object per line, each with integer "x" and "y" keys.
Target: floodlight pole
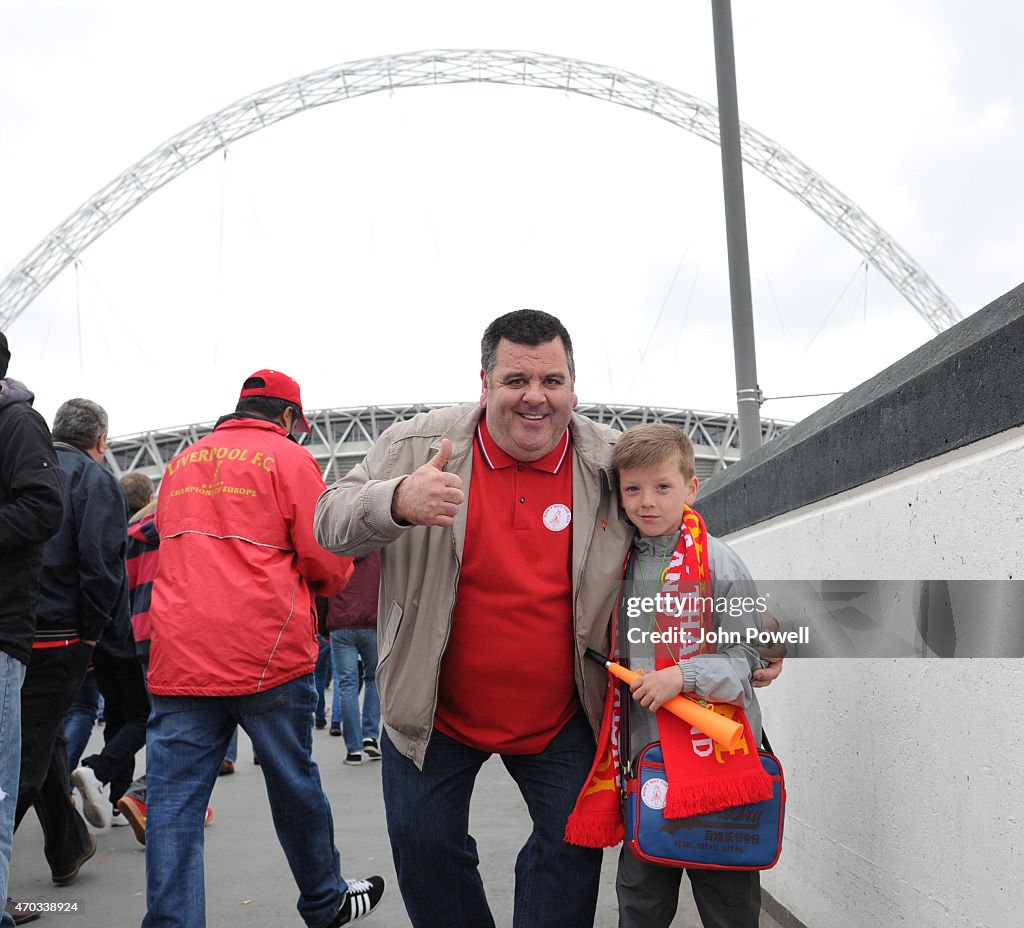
{"x": 748, "y": 394}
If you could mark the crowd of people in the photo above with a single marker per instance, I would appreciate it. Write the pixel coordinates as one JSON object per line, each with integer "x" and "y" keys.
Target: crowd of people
{"x": 450, "y": 586}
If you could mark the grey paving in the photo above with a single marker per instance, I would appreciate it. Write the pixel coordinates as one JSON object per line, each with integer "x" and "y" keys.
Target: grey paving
{"x": 247, "y": 879}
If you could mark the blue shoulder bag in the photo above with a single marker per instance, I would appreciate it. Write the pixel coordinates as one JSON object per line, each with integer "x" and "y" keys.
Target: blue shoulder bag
{"x": 747, "y": 837}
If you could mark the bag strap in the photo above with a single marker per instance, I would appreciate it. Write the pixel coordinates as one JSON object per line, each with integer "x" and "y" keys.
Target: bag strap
{"x": 625, "y": 748}
{"x": 766, "y": 744}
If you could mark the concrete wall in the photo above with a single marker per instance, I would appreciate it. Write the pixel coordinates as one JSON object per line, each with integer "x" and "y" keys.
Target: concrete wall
{"x": 926, "y": 561}
{"x": 959, "y": 516}
{"x": 906, "y": 804}
{"x": 961, "y": 387}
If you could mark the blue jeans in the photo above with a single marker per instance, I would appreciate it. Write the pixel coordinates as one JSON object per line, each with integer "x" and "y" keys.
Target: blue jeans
{"x": 321, "y": 674}
{"x": 435, "y": 855}
{"x": 232, "y": 751}
{"x": 81, "y": 717}
{"x": 347, "y": 646}
{"x": 187, "y": 739}
{"x": 12, "y": 673}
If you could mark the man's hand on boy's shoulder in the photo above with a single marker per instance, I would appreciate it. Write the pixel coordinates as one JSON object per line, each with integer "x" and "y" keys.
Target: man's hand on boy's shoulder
{"x": 763, "y": 676}
{"x": 773, "y": 654}
{"x": 652, "y": 690}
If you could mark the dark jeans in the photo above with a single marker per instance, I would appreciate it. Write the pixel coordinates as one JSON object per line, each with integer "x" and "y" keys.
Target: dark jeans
{"x": 53, "y": 677}
{"x": 648, "y": 895}
{"x": 80, "y": 718}
{"x": 435, "y": 856}
{"x": 126, "y": 709}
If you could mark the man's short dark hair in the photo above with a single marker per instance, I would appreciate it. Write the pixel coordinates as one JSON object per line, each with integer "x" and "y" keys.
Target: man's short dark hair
{"x": 138, "y": 489}
{"x": 523, "y": 327}
{"x": 80, "y": 423}
{"x": 265, "y": 407}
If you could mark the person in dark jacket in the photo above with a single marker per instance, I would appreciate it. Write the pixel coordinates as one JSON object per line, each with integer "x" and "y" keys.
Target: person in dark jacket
{"x": 31, "y": 506}
{"x": 83, "y": 589}
{"x": 122, "y": 683}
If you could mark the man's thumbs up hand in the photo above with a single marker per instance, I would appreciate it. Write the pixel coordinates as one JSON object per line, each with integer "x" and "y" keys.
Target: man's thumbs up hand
{"x": 429, "y": 496}
{"x": 444, "y": 453}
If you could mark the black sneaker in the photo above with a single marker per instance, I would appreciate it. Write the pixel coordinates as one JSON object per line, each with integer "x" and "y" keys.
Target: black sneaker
{"x": 353, "y": 758}
{"x": 63, "y": 879}
{"x": 371, "y": 749}
{"x": 362, "y": 898}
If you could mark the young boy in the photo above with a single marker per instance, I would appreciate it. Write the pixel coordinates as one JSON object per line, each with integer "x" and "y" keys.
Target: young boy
{"x": 673, "y": 559}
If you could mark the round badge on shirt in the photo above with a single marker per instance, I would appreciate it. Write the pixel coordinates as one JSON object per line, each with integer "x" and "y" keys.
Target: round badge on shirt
{"x": 557, "y": 517}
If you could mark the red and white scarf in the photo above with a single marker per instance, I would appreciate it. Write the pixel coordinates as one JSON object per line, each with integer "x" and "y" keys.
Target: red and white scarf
{"x": 702, "y": 776}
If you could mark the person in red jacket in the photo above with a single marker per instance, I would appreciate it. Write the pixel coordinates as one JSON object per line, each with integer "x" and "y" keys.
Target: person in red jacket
{"x": 234, "y": 643}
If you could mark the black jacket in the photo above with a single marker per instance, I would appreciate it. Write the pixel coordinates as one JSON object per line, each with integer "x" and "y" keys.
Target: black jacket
{"x": 83, "y": 584}
{"x": 31, "y": 506}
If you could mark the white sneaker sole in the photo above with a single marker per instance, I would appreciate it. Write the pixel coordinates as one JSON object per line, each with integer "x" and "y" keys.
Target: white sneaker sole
{"x": 95, "y": 807}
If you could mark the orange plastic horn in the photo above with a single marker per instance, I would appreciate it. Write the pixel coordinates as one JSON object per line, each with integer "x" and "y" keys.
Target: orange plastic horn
{"x": 717, "y": 727}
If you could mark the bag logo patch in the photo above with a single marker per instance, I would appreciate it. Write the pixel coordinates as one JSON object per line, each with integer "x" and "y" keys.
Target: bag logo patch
{"x": 653, "y": 793}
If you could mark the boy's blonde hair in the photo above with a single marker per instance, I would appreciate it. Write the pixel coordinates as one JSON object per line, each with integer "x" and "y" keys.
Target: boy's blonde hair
{"x": 647, "y": 445}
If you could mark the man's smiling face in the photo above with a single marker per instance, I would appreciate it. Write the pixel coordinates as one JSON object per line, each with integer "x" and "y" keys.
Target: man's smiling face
{"x": 528, "y": 398}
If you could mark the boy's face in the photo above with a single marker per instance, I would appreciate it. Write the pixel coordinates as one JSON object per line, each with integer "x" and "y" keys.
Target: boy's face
{"x": 654, "y": 496}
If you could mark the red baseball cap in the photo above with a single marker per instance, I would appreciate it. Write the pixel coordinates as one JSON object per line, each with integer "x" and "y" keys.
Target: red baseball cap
{"x": 278, "y": 386}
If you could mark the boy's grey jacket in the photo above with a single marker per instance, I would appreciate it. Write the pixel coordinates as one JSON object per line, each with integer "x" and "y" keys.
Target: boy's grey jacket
{"x": 723, "y": 676}
{"x": 420, "y": 566}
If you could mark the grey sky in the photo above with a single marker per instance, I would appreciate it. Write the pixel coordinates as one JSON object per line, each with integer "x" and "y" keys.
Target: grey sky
{"x": 363, "y": 247}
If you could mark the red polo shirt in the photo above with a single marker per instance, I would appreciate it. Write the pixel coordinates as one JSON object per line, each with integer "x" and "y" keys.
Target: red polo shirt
{"x": 507, "y": 682}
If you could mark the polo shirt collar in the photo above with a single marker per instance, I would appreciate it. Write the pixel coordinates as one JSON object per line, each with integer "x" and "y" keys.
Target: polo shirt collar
{"x": 497, "y": 458}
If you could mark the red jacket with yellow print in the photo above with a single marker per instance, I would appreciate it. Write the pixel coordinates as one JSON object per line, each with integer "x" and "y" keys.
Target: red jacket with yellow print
{"x": 233, "y": 599}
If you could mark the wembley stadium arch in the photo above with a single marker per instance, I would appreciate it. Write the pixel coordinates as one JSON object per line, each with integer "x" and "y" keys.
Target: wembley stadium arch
{"x": 341, "y": 437}
{"x": 459, "y": 66}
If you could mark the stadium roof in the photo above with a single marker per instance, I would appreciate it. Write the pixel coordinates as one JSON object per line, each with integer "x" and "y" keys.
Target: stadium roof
{"x": 340, "y": 437}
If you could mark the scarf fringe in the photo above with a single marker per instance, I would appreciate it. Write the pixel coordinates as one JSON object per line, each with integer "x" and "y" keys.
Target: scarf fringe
{"x": 711, "y": 794}
{"x": 594, "y": 830}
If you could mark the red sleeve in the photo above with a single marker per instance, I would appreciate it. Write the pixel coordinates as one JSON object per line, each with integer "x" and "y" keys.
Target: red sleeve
{"x": 325, "y": 573}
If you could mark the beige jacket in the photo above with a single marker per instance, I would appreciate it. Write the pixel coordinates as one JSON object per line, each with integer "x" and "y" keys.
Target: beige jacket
{"x": 420, "y": 566}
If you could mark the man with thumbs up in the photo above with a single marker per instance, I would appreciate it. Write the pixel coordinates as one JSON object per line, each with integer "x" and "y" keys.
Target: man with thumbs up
{"x": 502, "y": 545}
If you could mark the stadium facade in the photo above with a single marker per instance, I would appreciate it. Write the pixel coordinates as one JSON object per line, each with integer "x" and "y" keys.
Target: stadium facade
{"x": 340, "y": 437}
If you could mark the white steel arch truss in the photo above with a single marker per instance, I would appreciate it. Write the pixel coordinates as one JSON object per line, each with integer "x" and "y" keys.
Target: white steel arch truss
{"x": 424, "y": 68}
{"x": 340, "y": 438}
